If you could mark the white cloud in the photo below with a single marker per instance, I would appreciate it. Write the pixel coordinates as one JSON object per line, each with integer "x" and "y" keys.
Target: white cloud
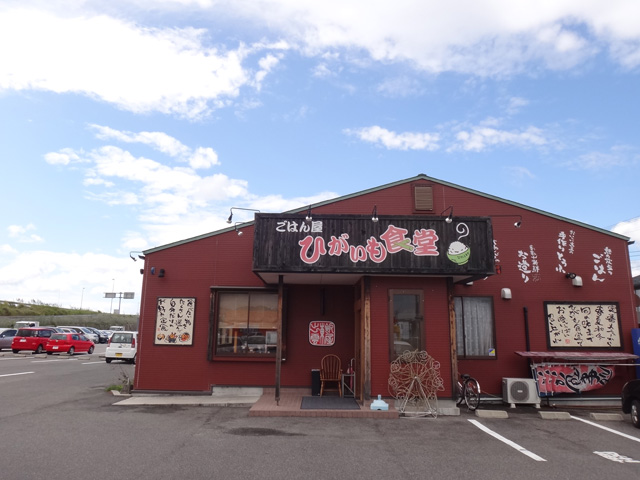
{"x": 617, "y": 156}
{"x": 22, "y": 235}
{"x": 631, "y": 229}
{"x": 17, "y": 230}
{"x": 140, "y": 69}
{"x": 402, "y": 86}
{"x": 496, "y": 37}
{"x": 172, "y": 201}
{"x": 515, "y": 104}
{"x": 267, "y": 64}
{"x": 483, "y": 137}
{"x": 7, "y": 249}
{"x": 67, "y": 279}
{"x": 63, "y": 157}
{"x": 200, "y": 158}
{"x": 520, "y": 173}
{"x": 203, "y": 158}
{"x": 157, "y": 140}
{"x": 396, "y": 141}
{"x": 177, "y": 70}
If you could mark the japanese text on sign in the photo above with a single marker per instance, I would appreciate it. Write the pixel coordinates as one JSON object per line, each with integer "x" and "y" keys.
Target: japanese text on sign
{"x": 422, "y": 243}
{"x": 174, "y": 321}
{"x": 583, "y": 325}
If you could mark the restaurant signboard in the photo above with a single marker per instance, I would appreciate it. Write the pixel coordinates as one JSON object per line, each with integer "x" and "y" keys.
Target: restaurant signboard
{"x": 406, "y": 245}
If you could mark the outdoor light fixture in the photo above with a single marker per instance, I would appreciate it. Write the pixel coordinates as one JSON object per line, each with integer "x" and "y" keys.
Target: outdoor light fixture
{"x": 239, "y": 232}
{"x": 140, "y": 256}
{"x": 517, "y": 223}
{"x": 239, "y": 208}
{"x": 308, "y": 218}
{"x": 374, "y": 214}
{"x": 449, "y": 218}
{"x": 576, "y": 280}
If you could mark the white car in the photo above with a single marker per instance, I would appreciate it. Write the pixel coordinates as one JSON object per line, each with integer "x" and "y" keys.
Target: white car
{"x": 122, "y": 346}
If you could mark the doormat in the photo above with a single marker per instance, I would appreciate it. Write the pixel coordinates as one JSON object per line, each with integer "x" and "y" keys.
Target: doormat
{"x": 329, "y": 403}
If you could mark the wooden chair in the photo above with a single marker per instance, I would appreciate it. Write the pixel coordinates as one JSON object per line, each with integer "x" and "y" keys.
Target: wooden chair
{"x": 330, "y": 371}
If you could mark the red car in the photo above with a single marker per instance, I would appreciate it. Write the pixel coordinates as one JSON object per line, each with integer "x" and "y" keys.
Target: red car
{"x": 69, "y": 343}
{"x": 33, "y": 339}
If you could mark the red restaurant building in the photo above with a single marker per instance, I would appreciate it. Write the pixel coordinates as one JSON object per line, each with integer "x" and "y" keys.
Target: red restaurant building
{"x": 485, "y": 286}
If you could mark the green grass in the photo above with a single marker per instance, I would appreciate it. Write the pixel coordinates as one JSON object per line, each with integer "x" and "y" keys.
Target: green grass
{"x": 53, "y": 315}
{"x": 19, "y": 309}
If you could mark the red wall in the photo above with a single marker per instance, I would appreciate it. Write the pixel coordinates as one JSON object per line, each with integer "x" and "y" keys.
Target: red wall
{"x": 193, "y": 267}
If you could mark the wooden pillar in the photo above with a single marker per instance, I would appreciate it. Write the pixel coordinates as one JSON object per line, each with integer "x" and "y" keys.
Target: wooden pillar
{"x": 366, "y": 338}
{"x": 279, "y": 343}
{"x": 453, "y": 337}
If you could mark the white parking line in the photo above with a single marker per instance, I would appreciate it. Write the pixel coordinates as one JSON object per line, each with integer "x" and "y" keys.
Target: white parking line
{"x": 630, "y": 437}
{"x": 508, "y": 442}
{"x": 13, "y": 374}
{"x": 55, "y": 360}
{"x": 93, "y": 363}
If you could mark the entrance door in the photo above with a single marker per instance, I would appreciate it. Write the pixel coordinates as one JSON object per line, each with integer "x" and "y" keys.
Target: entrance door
{"x": 406, "y": 309}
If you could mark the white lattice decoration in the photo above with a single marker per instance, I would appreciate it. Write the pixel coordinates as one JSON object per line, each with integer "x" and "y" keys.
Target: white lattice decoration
{"x": 414, "y": 381}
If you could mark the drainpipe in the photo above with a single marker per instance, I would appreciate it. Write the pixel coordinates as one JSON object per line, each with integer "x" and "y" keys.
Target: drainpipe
{"x": 526, "y": 328}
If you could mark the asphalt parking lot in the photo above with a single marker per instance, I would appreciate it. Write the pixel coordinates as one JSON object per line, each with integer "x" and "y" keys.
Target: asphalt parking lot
{"x": 58, "y": 421}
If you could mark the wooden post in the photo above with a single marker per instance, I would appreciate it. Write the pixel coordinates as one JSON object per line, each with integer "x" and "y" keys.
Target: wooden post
{"x": 366, "y": 338}
{"x": 453, "y": 337}
{"x": 279, "y": 343}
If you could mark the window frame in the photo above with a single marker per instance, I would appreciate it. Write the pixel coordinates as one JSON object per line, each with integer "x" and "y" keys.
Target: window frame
{"x": 215, "y": 321}
{"x": 462, "y": 355}
{"x": 422, "y": 334}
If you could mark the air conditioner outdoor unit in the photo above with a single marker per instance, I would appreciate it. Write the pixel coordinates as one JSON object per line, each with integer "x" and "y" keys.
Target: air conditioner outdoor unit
{"x": 520, "y": 390}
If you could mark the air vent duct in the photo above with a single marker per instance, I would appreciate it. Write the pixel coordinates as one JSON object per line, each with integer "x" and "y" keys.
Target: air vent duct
{"x": 423, "y": 196}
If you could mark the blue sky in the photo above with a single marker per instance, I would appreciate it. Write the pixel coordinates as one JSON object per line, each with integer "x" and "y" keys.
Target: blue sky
{"x": 129, "y": 125}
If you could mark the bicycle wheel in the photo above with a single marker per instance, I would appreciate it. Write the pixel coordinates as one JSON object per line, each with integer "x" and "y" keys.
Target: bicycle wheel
{"x": 472, "y": 393}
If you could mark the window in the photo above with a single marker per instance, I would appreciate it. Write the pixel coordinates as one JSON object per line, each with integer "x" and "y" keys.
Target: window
{"x": 247, "y": 323}
{"x": 475, "y": 328}
{"x": 406, "y": 319}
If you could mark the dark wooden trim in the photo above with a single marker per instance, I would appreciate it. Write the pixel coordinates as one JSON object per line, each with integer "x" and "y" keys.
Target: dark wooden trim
{"x": 367, "y": 338}
{"x": 453, "y": 338}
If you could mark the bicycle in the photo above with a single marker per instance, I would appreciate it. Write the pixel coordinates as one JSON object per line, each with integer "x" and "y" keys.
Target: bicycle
{"x": 468, "y": 392}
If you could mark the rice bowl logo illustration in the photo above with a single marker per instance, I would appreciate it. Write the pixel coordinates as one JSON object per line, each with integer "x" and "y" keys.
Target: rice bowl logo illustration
{"x": 458, "y": 252}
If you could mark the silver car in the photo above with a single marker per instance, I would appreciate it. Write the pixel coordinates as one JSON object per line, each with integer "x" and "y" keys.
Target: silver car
{"x": 6, "y": 337}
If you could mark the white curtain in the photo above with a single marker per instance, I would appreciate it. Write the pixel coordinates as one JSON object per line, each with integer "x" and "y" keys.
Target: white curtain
{"x": 474, "y": 326}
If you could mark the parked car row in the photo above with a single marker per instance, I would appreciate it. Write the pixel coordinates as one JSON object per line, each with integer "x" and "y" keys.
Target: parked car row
{"x": 36, "y": 339}
{"x": 122, "y": 345}
{"x": 95, "y": 335}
